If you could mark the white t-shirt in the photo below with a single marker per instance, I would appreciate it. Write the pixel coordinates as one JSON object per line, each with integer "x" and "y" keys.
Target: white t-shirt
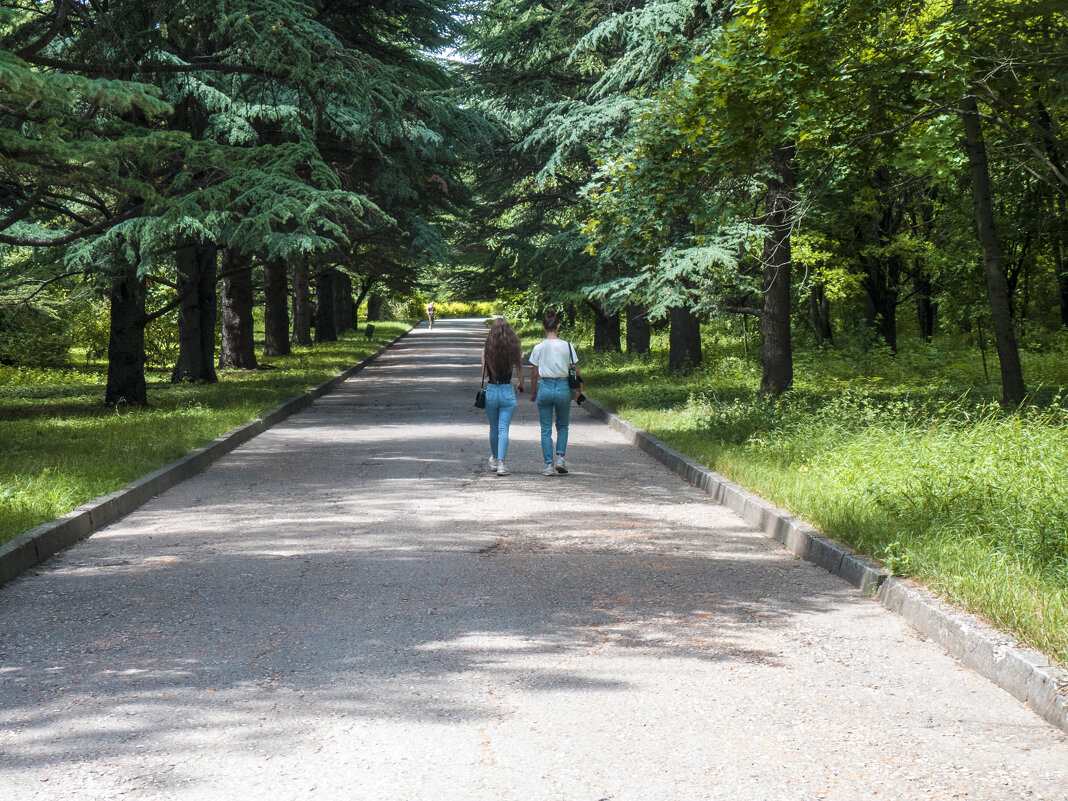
{"x": 553, "y": 357}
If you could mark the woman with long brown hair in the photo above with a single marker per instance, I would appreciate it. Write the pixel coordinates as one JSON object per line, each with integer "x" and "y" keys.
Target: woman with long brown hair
{"x": 501, "y": 355}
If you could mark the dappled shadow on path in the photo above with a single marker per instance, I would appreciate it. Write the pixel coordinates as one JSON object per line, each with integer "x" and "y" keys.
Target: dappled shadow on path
{"x": 360, "y": 564}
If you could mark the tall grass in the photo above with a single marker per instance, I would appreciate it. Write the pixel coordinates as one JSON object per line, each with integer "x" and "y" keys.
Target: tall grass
{"x": 908, "y": 458}
{"x": 60, "y": 446}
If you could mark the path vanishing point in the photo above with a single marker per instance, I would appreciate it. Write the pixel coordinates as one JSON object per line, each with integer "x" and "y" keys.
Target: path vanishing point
{"x": 350, "y": 606}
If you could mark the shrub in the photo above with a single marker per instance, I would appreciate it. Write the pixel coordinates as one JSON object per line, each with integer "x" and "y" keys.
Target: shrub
{"x": 33, "y": 336}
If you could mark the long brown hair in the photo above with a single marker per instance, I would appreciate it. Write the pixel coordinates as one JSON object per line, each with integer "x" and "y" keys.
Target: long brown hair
{"x": 502, "y": 349}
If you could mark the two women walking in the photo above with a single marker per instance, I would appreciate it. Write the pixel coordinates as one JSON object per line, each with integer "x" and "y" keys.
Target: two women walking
{"x": 552, "y": 361}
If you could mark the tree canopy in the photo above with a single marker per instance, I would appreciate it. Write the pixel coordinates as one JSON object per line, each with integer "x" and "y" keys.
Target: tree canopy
{"x": 812, "y": 165}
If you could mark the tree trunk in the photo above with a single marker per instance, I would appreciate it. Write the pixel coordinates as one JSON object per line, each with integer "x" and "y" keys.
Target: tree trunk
{"x": 1058, "y": 245}
{"x": 637, "y": 329}
{"x": 777, "y": 352}
{"x": 821, "y": 315}
{"x": 301, "y": 304}
{"x": 925, "y": 307}
{"x": 275, "y": 309}
{"x": 606, "y": 329}
{"x": 238, "y": 345}
{"x": 374, "y": 307}
{"x": 197, "y": 274}
{"x": 881, "y": 284}
{"x": 342, "y": 301}
{"x": 1062, "y": 279}
{"x": 569, "y": 313}
{"x": 1012, "y": 383}
{"x": 126, "y": 342}
{"x": 351, "y": 315}
{"x": 684, "y": 340}
{"x": 324, "y": 306}
{"x": 365, "y": 287}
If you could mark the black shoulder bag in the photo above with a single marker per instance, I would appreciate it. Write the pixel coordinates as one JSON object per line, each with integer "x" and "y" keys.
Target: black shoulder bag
{"x": 480, "y": 396}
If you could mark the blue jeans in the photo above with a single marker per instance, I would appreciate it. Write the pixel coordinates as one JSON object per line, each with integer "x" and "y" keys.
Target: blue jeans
{"x": 553, "y": 395}
{"x": 500, "y": 406}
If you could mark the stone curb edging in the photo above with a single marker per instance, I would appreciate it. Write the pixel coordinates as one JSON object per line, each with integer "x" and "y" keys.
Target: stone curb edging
{"x": 1024, "y": 673}
{"x": 32, "y": 547}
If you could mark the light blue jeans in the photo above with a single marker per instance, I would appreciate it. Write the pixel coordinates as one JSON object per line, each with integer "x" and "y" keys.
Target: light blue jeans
{"x": 553, "y": 395}
{"x": 500, "y": 406}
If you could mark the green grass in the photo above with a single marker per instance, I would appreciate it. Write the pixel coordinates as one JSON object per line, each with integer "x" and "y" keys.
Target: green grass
{"x": 908, "y": 458}
{"x": 60, "y": 446}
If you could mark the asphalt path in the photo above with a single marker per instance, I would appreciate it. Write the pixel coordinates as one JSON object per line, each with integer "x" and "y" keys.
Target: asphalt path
{"x": 350, "y": 606}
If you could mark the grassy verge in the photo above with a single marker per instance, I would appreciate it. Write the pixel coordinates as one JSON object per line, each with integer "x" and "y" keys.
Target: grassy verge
{"x": 61, "y": 446}
{"x": 908, "y": 458}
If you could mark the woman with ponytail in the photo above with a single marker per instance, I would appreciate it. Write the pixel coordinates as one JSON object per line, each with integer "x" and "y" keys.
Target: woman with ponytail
{"x": 501, "y": 354}
{"x": 552, "y": 358}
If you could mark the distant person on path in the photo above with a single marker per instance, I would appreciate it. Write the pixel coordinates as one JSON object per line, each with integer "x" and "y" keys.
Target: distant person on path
{"x": 552, "y": 359}
{"x": 431, "y": 310}
{"x": 501, "y": 354}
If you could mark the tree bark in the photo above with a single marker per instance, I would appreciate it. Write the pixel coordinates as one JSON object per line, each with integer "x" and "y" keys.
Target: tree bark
{"x": 324, "y": 306}
{"x": 1012, "y": 383}
{"x": 1059, "y": 245}
{"x": 777, "y": 353}
{"x": 126, "y": 342}
{"x": 637, "y": 329}
{"x": 351, "y": 314}
{"x": 342, "y": 302}
{"x": 1062, "y": 279}
{"x": 275, "y": 309}
{"x": 301, "y": 304}
{"x": 925, "y": 306}
{"x": 606, "y": 328}
{"x": 238, "y": 344}
{"x": 821, "y": 315}
{"x": 365, "y": 287}
{"x": 881, "y": 284}
{"x": 197, "y": 274}
{"x": 684, "y": 340}
{"x": 374, "y": 307}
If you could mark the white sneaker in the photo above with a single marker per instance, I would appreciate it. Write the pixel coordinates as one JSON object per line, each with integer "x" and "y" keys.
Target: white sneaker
{"x": 559, "y": 464}
{"x": 549, "y": 470}
{"x": 493, "y": 462}
{"x": 502, "y": 470}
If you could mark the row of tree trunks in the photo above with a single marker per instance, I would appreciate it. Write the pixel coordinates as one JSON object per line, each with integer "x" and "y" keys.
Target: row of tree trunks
{"x": 197, "y": 269}
{"x": 637, "y": 329}
{"x": 777, "y": 354}
{"x": 275, "y": 309}
{"x": 238, "y": 349}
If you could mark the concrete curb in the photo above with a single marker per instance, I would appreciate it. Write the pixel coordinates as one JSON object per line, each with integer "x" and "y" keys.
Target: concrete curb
{"x": 1024, "y": 673}
{"x": 34, "y": 546}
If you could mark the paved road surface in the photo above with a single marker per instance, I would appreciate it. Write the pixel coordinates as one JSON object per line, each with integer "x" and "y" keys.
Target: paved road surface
{"x": 351, "y": 607}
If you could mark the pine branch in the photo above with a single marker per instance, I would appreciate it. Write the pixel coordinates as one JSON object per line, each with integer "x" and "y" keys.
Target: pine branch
{"x": 96, "y": 228}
